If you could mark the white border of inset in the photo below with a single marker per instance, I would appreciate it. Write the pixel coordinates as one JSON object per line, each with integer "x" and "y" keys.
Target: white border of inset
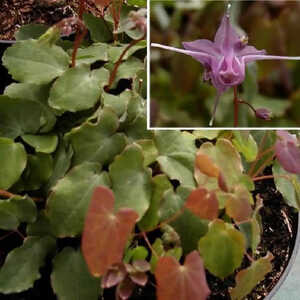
{"x": 188, "y": 128}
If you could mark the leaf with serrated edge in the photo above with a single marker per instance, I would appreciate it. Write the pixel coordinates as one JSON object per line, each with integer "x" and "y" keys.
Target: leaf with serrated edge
{"x": 245, "y": 143}
{"x": 33, "y": 62}
{"x": 203, "y": 204}
{"x": 97, "y": 142}
{"x": 222, "y": 248}
{"x": 13, "y": 161}
{"x": 71, "y": 278}
{"x": 111, "y": 229}
{"x": 181, "y": 282}
{"x": 69, "y": 201}
{"x": 21, "y": 267}
{"x": 131, "y": 180}
{"x": 248, "y": 279}
{"x": 77, "y": 89}
{"x": 176, "y": 155}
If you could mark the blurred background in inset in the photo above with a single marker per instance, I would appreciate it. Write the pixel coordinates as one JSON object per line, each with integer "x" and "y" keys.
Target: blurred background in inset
{"x": 179, "y": 98}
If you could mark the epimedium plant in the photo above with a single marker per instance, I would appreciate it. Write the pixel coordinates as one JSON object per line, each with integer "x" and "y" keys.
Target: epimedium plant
{"x": 77, "y": 163}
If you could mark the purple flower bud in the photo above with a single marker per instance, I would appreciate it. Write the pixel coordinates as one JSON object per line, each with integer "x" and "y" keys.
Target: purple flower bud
{"x": 263, "y": 113}
{"x": 225, "y": 58}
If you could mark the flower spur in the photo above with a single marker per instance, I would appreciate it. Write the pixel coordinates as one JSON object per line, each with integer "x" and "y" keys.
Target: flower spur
{"x": 224, "y": 59}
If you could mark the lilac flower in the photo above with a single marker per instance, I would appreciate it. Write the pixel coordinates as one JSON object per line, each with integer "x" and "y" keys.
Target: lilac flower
{"x": 225, "y": 58}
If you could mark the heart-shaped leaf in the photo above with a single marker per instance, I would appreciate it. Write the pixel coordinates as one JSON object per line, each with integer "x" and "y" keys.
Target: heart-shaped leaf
{"x": 206, "y": 165}
{"x": 203, "y": 204}
{"x": 222, "y": 248}
{"x": 105, "y": 232}
{"x": 184, "y": 282}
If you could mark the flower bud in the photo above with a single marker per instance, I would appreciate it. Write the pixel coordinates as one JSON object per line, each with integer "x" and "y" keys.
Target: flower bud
{"x": 263, "y": 113}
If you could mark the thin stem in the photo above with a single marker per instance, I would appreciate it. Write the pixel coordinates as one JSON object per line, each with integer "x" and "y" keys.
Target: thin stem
{"x": 270, "y": 177}
{"x": 81, "y": 33}
{"x": 6, "y": 194}
{"x": 149, "y": 245}
{"x": 262, "y": 167}
{"x": 6, "y": 235}
{"x": 260, "y": 147}
{"x": 117, "y": 64}
{"x": 251, "y": 107}
{"x": 79, "y": 37}
{"x": 236, "y": 107}
{"x": 259, "y": 156}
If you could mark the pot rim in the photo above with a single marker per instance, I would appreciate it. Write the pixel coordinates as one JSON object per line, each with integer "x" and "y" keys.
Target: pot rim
{"x": 289, "y": 266}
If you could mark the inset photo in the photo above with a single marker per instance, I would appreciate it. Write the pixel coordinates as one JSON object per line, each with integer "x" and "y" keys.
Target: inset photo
{"x": 224, "y": 64}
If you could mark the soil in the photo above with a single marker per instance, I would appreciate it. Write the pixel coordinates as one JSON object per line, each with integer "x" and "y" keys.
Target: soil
{"x": 15, "y": 13}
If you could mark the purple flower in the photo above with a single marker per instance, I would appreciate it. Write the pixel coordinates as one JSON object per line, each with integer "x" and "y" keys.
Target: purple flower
{"x": 263, "y": 113}
{"x": 287, "y": 151}
{"x": 225, "y": 58}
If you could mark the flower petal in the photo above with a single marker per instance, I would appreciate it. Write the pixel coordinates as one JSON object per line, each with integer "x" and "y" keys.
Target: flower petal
{"x": 200, "y": 56}
{"x": 202, "y": 45}
{"x": 226, "y": 37}
{"x": 250, "y": 58}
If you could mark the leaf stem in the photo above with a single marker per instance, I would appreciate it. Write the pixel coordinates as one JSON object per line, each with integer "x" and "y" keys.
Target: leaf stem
{"x": 117, "y": 64}
{"x": 236, "y": 107}
{"x": 6, "y": 194}
{"x": 149, "y": 245}
{"x": 270, "y": 177}
{"x": 262, "y": 167}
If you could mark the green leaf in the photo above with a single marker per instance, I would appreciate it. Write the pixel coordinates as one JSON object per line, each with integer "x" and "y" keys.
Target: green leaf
{"x": 41, "y": 226}
{"x": 15, "y": 210}
{"x": 39, "y": 94}
{"x": 38, "y": 170}
{"x": 161, "y": 184}
{"x": 21, "y": 267}
{"x": 252, "y": 229}
{"x": 248, "y": 279}
{"x": 137, "y": 253}
{"x": 14, "y": 120}
{"x": 137, "y": 130}
{"x": 288, "y": 185}
{"x": 118, "y": 103}
{"x": 140, "y": 3}
{"x": 245, "y": 143}
{"x": 30, "y": 31}
{"x": 41, "y": 143}
{"x": 13, "y": 161}
{"x": 206, "y": 134}
{"x": 71, "y": 278}
{"x": 91, "y": 54}
{"x": 77, "y": 89}
{"x": 190, "y": 229}
{"x": 114, "y": 52}
{"x": 99, "y": 30}
{"x": 127, "y": 70}
{"x": 61, "y": 163}
{"x": 32, "y": 62}
{"x": 131, "y": 180}
{"x": 97, "y": 142}
{"x": 176, "y": 155}
{"x": 149, "y": 150}
{"x": 69, "y": 201}
{"x": 222, "y": 248}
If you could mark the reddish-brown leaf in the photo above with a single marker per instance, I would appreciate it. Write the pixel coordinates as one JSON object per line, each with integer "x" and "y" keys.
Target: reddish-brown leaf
{"x": 105, "y": 233}
{"x": 102, "y": 4}
{"x": 203, "y": 203}
{"x": 181, "y": 282}
{"x": 238, "y": 205}
{"x": 206, "y": 165}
